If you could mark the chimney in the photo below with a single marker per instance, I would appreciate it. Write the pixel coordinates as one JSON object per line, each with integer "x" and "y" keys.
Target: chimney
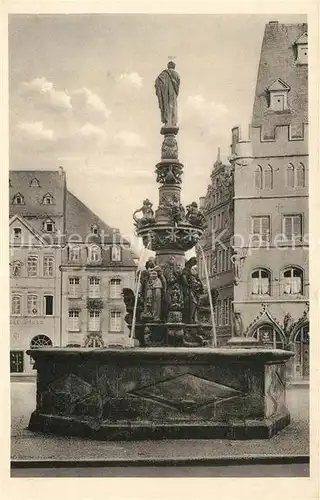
{"x": 61, "y": 171}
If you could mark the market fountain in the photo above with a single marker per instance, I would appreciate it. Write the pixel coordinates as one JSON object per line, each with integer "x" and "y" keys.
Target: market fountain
{"x": 176, "y": 383}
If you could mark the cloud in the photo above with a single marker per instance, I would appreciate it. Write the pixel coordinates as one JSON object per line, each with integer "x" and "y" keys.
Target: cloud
{"x": 129, "y": 139}
{"x": 86, "y": 102}
{"x": 41, "y": 87}
{"x": 203, "y": 114}
{"x": 131, "y": 79}
{"x": 92, "y": 131}
{"x": 36, "y": 130}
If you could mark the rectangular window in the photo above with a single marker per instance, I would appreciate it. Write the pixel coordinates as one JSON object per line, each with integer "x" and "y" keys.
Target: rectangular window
{"x": 115, "y": 288}
{"x": 94, "y": 287}
{"x": 74, "y": 320}
{"x": 32, "y": 266}
{"x": 16, "y": 305}
{"x": 48, "y": 305}
{"x": 17, "y": 234}
{"x": 218, "y": 306}
{"x": 94, "y": 320}
{"x": 115, "y": 321}
{"x": 260, "y": 228}
{"x": 278, "y": 102}
{"x": 292, "y": 226}
{"x": 33, "y": 305}
{"x": 48, "y": 265}
{"x": 16, "y": 361}
{"x": 74, "y": 286}
{"x": 221, "y": 313}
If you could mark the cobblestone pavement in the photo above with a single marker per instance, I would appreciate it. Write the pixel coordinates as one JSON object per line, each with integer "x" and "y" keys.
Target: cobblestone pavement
{"x": 26, "y": 445}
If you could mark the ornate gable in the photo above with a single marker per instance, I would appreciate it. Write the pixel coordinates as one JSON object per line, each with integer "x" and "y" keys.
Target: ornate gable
{"x": 263, "y": 317}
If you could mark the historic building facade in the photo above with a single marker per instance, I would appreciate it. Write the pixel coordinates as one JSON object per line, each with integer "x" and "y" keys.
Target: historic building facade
{"x": 96, "y": 265}
{"x": 36, "y": 219}
{"x": 67, "y": 270}
{"x": 269, "y": 280}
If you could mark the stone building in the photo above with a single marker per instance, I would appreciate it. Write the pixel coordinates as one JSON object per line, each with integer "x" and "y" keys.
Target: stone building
{"x": 96, "y": 265}
{"x": 36, "y": 219}
{"x": 67, "y": 270}
{"x": 269, "y": 279}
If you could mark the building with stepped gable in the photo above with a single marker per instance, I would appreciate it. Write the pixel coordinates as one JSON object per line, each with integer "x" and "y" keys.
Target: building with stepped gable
{"x": 67, "y": 270}
{"x": 259, "y": 267}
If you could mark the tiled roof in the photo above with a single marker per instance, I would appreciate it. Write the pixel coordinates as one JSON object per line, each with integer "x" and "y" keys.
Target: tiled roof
{"x": 79, "y": 220}
{"x": 278, "y": 61}
{"x": 52, "y": 182}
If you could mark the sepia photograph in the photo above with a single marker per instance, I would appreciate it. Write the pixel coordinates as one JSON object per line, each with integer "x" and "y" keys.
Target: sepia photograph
{"x": 159, "y": 245}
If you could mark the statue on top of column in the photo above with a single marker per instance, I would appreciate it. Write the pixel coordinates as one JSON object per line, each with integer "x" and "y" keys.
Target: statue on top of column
{"x": 167, "y": 89}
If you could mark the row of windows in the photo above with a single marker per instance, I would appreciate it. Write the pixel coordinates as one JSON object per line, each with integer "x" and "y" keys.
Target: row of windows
{"x": 291, "y": 227}
{"x": 216, "y": 264}
{"x": 95, "y": 287}
{"x": 18, "y": 199}
{"x": 31, "y": 305}
{"x": 295, "y": 176}
{"x": 33, "y": 268}
{"x": 94, "y": 320}
{"x": 217, "y": 221}
{"x": 291, "y": 281}
{"x": 93, "y": 253}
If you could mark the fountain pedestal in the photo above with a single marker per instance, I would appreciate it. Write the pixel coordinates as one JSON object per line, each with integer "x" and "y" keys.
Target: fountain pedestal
{"x": 160, "y": 393}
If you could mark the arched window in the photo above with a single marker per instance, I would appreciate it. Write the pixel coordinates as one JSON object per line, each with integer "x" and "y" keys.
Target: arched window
{"x": 48, "y": 199}
{"x": 18, "y": 199}
{"x": 268, "y": 177}
{"x": 258, "y": 177}
{"x": 269, "y": 337}
{"x": 94, "y": 253}
{"x": 40, "y": 341}
{"x": 301, "y": 350}
{"x": 260, "y": 282}
{"x": 292, "y": 281}
{"x": 300, "y": 176}
{"x": 115, "y": 253}
{"x": 16, "y": 305}
{"x": 34, "y": 182}
{"x": 290, "y": 176}
{"x": 115, "y": 288}
{"x": 74, "y": 253}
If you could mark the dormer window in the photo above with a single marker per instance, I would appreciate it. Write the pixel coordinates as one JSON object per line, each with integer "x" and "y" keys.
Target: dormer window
{"x": 302, "y": 49}
{"x": 94, "y": 253}
{"x": 47, "y": 199}
{"x": 34, "y": 182}
{"x": 95, "y": 229}
{"x": 48, "y": 226}
{"x": 115, "y": 253}
{"x": 18, "y": 199}
{"x": 278, "y": 96}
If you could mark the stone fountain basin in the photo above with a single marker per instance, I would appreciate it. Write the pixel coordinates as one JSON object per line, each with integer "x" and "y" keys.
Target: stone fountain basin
{"x": 160, "y": 392}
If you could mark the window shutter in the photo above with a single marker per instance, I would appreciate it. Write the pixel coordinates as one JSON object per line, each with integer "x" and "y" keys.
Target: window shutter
{"x": 297, "y": 225}
{"x": 288, "y": 227}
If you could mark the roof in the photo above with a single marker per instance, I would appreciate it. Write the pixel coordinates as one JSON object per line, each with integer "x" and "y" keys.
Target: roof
{"x": 278, "y": 63}
{"x": 52, "y": 182}
{"x": 79, "y": 221}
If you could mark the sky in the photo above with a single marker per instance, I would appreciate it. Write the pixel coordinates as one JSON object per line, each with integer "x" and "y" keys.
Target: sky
{"x": 82, "y": 97}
